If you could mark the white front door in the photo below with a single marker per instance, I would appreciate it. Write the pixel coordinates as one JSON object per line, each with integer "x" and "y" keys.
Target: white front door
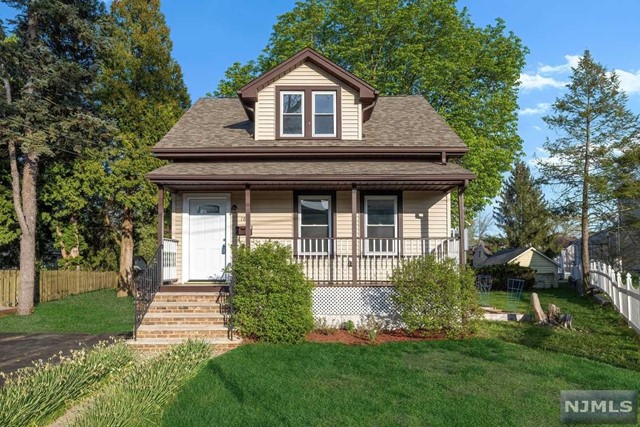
{"x": 207, "y": 243}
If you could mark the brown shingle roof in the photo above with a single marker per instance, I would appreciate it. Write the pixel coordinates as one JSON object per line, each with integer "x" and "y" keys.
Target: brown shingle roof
{"x": 309, "y": 170}
{"x": 397, "y": 121}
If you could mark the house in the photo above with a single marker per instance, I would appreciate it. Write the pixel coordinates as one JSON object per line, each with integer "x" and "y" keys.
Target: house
{"x": 313, "y": 157}
{"x": 480, "y": 253}
{"x": 546, "y": 269}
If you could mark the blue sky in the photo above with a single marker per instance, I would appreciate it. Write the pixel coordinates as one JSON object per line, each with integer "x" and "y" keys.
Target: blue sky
{"x": 208, "y": 37}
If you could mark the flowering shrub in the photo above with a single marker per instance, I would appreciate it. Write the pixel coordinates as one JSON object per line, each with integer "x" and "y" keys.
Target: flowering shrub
{"x": 31, "y": 395}
{"x": 138, "y": 396}
{"x": 435, "y": 296}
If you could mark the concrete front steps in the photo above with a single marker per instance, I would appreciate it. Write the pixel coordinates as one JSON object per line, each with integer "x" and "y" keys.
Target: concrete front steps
{"x": 175, "y": 316}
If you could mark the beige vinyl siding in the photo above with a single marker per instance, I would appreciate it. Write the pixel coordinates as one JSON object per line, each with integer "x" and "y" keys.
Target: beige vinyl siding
{"x": 272, "y": 213}
{"x": 425, "y": 214}
{"x": 546, "y": 271}
{"x": 536, "y": 262}
{"x": 343, "y": 215}
{"x": 306, "y": 75}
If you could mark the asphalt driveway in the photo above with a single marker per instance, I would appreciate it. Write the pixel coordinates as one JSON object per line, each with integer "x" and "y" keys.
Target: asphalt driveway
{"x": 20, "y": 350}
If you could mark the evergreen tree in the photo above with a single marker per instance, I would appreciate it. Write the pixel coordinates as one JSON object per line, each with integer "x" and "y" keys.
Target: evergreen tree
{"x": 47, "y": 67}
{"x": 522, "y": 213}
{"x": 427, "y": 47}
{"x": 143, "y": 93}
{"x": 593, "y": 123}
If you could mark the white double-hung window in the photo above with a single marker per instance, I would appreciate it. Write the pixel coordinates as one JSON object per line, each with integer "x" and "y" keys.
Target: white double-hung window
{"x": 314, "y": 225}
{"x": 381, "y": 224}
{"x": 324, "y": 113}
{"x": 292, "y": 113}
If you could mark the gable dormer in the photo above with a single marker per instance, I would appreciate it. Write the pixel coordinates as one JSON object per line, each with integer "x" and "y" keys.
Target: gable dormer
{"x": 308, "y": 97}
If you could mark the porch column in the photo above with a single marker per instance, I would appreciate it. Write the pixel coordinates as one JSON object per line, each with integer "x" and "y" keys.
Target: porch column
{"x": 247, "y": 203}
{"x": 160, "y": 214}
{"x": 354, "y": 235}
{"x": 461, "y": 241}
{"x": 161, "y": 233}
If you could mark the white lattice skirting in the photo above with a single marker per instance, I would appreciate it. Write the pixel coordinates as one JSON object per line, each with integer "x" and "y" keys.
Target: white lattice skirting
{"x": 340, "y": 304}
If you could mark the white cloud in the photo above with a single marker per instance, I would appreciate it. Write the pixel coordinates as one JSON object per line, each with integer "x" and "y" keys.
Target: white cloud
{"x": 629, "y": 81}
{"x": 538, "y": 81}
{"x": 542, "y": 158}
{"x": 536, "y": 127}
{"x": 572, "y": 62}
{"x": 538, "y": 109}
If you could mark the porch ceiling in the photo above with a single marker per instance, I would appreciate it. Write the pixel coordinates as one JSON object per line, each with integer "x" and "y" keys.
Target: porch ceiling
{"x": 378, "y": 174}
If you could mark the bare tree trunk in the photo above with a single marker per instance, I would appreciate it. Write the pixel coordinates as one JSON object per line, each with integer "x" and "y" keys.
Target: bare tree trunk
{"x": 125, "y": 278}
{"x": 24, "y": 194}
{"x": 586, "y": 266}
{"x": 26, "y": 293}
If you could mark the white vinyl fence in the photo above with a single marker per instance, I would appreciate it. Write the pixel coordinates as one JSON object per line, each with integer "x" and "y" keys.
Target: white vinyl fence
{"x": 624, "y": 295}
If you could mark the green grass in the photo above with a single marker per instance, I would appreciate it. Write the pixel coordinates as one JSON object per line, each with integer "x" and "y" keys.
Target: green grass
{"x": 95, "y": 312}
{"x": 599, "y": 332}
{"x": 468, "y": 382}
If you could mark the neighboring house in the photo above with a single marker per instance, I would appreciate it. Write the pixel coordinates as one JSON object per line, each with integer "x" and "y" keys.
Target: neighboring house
{"x": 618, "y": 247}
{"x": 480, "y": 254}
{"x": 546, "y": 269}
{"x": 311, "y": 156}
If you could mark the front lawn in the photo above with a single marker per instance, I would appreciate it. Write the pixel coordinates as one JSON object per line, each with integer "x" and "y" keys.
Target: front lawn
{"x": 98, "y": 312}
{"x": 599, "y": 332}
{"x": 468, "y": 382}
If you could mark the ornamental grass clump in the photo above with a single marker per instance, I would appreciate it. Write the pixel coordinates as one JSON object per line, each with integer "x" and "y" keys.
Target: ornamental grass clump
{"x": 32, "y": 395}
{"x": 435, "y": 296}
{"x": 139, "y": 395}
{"x": 272, "y": 297}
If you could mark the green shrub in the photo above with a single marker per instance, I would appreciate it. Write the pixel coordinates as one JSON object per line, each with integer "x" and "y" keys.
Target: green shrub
{"x": 500, "y": 273}
{"x": 272, "y": 296}
{"x": 139, "y": 395}
{"x": 349, "y": 326}
{"x": 32, "y": 395}
{"x": 435, "y": 296}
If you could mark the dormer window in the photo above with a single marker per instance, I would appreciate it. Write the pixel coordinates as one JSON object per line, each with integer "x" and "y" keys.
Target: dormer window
{"x": 292, "y": 118}
{"x": 324, "y": 114}
{"x": 308, "y": 112}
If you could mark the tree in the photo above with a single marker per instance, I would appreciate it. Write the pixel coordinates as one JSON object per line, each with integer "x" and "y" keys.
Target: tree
{"x": 47, "y": 66}
{"x": 480, "y": 227}
{"x": 142, "y": 91}
{"x": 427, "y": 47}
{"x": 593, "y": 123}
{"x": 522, "y": 213}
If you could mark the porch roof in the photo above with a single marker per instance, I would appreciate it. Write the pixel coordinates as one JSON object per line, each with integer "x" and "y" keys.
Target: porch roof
{"x": 312, "y": 174}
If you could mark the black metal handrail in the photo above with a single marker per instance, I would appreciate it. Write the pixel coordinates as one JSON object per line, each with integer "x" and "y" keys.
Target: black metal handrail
{"x": 146, "y": 285}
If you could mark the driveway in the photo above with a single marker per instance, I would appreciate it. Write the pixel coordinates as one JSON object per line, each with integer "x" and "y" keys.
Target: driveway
{"x": 20, "y": 350}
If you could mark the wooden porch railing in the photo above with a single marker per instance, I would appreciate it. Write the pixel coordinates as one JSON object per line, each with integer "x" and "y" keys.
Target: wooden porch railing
{"x": 330, "y": 261}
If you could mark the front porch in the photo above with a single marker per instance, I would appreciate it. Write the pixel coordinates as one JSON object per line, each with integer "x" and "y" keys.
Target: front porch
{"x": 331, "y": 262}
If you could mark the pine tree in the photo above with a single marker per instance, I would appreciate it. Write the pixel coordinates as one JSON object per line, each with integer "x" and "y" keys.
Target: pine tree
{"x": 592, "y": 122}
{"x": 142, "y": 91}
{"x": 522, "y": 213}
{"x": 47, "y": 67}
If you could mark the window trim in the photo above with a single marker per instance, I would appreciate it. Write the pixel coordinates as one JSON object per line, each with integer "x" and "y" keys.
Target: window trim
{"x": 308, "y": 129}
{"x": 282, "y": 113}
{"x": 397, "y": 212}
{"x": 313, "y": 113}
{"x": 329, "y": 237}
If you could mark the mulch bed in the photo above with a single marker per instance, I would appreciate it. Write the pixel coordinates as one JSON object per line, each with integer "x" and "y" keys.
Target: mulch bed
{"x": 350, "y": 338}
